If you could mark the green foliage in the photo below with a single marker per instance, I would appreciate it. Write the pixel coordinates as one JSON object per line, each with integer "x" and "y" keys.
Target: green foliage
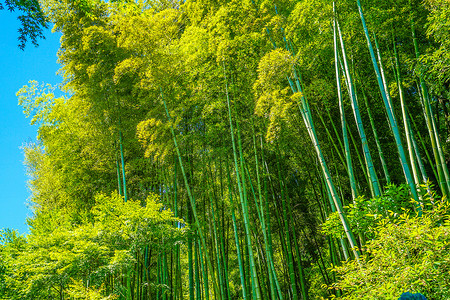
{"x": 11, "y": 245}
{"x": 37, "y": 102}
{"x": 77, "y": 290}
{"x": 78, "y": 259}
{"x": 409, "y": 253}
{"x": 437, "y": 60}
{"x": 131, "y": 225}
{"x": 32, "y": 19}
{"x": 151, "y": 135}
{"x": 272, "y": 90}
{"x": 364, "y": 215}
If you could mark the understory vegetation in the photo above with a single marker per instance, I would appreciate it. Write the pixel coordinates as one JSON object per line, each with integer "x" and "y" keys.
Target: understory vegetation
{"x": 243, "y": 149}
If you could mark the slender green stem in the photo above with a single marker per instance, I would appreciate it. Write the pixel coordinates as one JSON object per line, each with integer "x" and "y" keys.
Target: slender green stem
{"x": 406, "y": 124}
{"x": 123, "y": 166}
{"x": 390, "y": 113}
{"x": 192, "y": 200}
{"x": 236, "y": 237}
{"x": 348, "y": 158}
{"x": 243, "y": 198}
{"x": 365, "y": 145}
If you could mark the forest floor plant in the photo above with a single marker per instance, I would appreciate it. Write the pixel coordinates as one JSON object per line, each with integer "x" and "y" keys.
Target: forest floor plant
{"x": 407, "y": 252}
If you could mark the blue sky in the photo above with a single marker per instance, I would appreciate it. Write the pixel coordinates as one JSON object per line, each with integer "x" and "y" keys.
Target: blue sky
{"x": 17, "y": 67}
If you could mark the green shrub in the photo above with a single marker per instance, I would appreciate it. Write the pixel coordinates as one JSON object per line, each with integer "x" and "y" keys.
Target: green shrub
{"x": 409, "y": 253}
{"x": 365, "y": 214}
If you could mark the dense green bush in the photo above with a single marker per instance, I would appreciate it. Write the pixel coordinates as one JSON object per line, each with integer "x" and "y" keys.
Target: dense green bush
{"x": 76, "y": 259}
{"x": 364, "y": 214}
{"x": 409, "y": 253}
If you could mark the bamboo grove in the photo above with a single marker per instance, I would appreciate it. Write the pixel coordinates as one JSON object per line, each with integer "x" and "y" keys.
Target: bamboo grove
{"x": 209, "y": 149}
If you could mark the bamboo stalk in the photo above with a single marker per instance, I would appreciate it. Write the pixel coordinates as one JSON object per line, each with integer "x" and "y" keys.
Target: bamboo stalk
{"x": 119, "y": 180}
{"x": 204, "y": 272}
{"x": 304, "y": 109}
{"x": 377, "y": 139}
{"x": 390, "y": 113}
{"x": 406, "y": 124}
{"x": 123, "y": 167}
{"x": 236, "y": 238}
{"x": 243, "y": 198}
{"x": 367, "y": 156}
{"x": 267, "y": 224}
{"x": 348, "y": 158}
{"x": 442, "y": 179}
{"x": 192, "y": 200}
{"x": 289, "y": 251}
{"x": 269, "y": 257}
{"x": 422, "y": 142}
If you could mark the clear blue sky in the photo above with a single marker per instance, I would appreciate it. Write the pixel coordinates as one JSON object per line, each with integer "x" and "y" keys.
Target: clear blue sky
{"x": 17, "y": 67}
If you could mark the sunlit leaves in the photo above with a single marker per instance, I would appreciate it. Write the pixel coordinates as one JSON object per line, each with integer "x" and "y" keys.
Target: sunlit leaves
{"x": 37, "y": 102}
{"x": 130, "y": 224}
{"x": 152, "y": 133}
{"x": 105, "y": 244}
{"x": 438, "y": 59}
{"x": 78, "y": 290}
{"x": 273, "y": 91}
{"x": 274, "y": 68}
{"x": 408, "y": 254}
